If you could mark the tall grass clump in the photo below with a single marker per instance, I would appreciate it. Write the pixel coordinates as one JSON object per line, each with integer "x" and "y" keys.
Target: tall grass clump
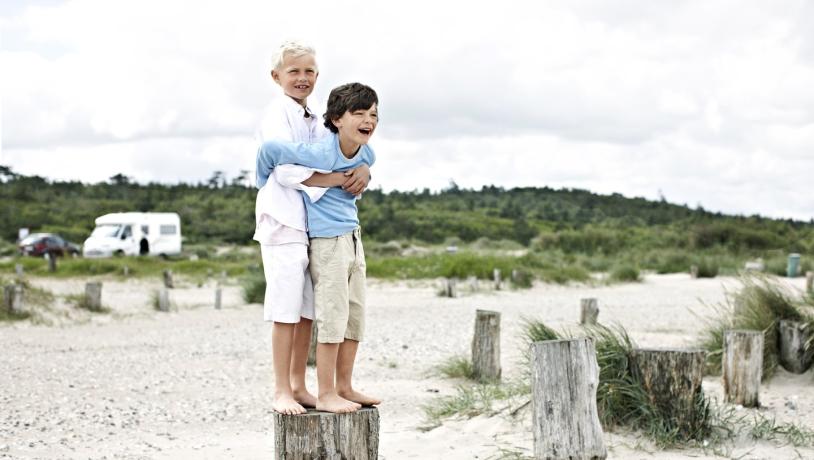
{"x": 254, "y": 287}
{"x": 707, "y": 268}
{"x": 625, "y": 273}
{"x": 456, "y": 367}
{"x": 759, "y": 305}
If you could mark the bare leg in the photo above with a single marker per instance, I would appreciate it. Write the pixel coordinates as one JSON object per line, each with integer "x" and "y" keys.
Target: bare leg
{"x": 344, "y": 374}
{"x": 282, "y": 336}
{"x": 329, "y": 400}
{"x": 299, "y": 360}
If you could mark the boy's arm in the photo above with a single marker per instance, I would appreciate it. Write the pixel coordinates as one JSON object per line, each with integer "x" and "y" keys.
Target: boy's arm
{"x": 313, "y": 182}
{"x": 273, "y": 153}
{"x": 357, "y": 179}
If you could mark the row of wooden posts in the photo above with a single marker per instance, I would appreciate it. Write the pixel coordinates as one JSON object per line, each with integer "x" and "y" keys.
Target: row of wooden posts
{"x": 565, "y": 377}
{"x": 13, "y": 294}
{"x": 450, "y": 288}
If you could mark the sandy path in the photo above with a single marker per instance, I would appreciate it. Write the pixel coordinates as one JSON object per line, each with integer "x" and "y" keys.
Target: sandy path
{"x": 196, "y": 383}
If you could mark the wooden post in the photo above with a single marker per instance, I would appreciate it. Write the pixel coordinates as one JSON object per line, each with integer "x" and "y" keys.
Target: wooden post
{"x": 168, "y": 279}
{"x": 694, "y": 271}
{"x": 793, "y": 354}
{"x": 742, "y": 367}
{"x": 93, "y": 296}
{"x": 564, "y": 378}
{"x": 312, "y": 349}
{"x": 672, "y": 382}
{"x": 52, "y": 262}
{"x": 163, "y": 300}
{"x": 486, "y": 346}
{"x": 126, "y": 271}
{"x": 323, "y": 435}
{"x": 810, "y": 283}
{"x": 218, "y": 297}
{"x": 589, "y": 311}
{"x": 450, "y": 287}
{"x": 18, "y": 268}
{"x": 13, "y": 298}
{"x": 496, "y": 278}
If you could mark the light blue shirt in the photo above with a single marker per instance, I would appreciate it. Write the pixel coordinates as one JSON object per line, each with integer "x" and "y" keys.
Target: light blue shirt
{"x": 335, "y": 213}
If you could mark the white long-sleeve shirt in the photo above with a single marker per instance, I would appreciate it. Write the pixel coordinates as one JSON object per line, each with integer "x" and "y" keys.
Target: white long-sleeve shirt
{"x": 279, "y": 209}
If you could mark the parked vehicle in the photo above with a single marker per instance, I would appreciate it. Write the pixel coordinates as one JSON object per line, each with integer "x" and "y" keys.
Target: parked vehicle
{"x": 40, "y": 244}
{"x": 135, "y": 233}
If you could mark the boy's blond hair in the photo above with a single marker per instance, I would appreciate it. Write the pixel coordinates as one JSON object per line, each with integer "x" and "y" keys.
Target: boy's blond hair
{"x": 294, "y": 48}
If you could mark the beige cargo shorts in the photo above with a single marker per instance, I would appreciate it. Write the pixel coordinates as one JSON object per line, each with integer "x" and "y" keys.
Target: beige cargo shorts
{"x": 338, "y": 271}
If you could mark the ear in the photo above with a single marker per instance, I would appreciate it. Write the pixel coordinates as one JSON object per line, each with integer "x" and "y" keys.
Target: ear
{"x": 275, "y": 76}
{"x": 337, "y": 122}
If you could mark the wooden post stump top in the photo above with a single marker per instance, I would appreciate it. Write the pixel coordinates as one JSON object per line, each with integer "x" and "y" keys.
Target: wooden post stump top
{"x": 18, "y": 269}
{"x": 168, "y": 279}
{"x": 794, "y": 356}
{"x": 742, "y": 367}
{"x": 13, "y": 298}
{"x": 323, "y": 435}
{"x": 564, "y": 380}
{"x": 672, "y": 380}
{"x": 163, "y": 300}
{"x": 486, "y": 346}
{"x": 93, "y": 295}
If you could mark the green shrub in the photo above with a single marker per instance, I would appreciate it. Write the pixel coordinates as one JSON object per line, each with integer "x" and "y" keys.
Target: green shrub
{"x": 254, "y": 288}
{"x": 707, "y": 268}
{"x": 625, "y": 273}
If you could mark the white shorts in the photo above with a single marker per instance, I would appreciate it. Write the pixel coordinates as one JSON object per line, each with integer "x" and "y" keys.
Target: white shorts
{"x": 289, "y": 290}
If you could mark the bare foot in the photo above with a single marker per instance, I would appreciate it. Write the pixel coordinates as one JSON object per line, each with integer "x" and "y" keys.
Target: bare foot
{"x": 305, "y": 398}
{"x": 332, "y": 402}
{"x": 355, "y": 396}
{"x": 285, "y": 404}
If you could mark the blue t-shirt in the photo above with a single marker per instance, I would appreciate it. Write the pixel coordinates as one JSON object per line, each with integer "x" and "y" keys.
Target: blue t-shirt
{"x": 335, "y": 213}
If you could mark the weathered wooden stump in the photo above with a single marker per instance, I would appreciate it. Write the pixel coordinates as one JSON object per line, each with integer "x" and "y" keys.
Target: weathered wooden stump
{"x": 473, "y": 283}
{"x": 810, "y": 283}
{"x": 168, "y": 279}
{"x": 52, "y": 262}
{"x": 486, "y": 346}
{"x": 564, "y": 378}
{"x": 323, "y": 435}
{"x": 126, "y": 271}
{"x": 218, "y": 297}
{"x": 18, "y": 269}
{"x": 450, "y": 287}
{"x": 589, "y": 311}
{"x": 672, "y": 381}
{"x": 13, "y": 298}
{"x": 312, "y": 349}
{"x": 742, "y": 367}
{"x": 496, "y": 278}
{"x": 793, "y": 354}
{"x": 93, "y": 296}
{"x": 694, "y": 271}
{"x": 163, "y": 300}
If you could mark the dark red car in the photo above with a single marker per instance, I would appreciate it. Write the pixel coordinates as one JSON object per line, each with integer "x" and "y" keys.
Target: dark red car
{"x": 39, "y": 244}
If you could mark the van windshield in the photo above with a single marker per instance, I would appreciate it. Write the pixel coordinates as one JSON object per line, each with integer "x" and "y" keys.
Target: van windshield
{"x": 106, "y": 231}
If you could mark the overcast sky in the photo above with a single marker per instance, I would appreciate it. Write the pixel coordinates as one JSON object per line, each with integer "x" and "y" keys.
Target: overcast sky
{"x": 708, "y": 102}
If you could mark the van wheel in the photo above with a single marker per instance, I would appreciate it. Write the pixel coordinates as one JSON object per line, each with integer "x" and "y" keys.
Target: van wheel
{"x": 144, "y": 248}
{"x": 118, "y": 253}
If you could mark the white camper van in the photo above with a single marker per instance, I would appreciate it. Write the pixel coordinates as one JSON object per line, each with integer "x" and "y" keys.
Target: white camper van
{"x": 135, "y": 233}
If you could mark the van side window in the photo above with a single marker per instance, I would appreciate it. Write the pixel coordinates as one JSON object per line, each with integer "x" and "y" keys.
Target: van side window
{"x": 145, "y": 229}
{"x": 127, "y": 232}
{"x": 168, "y": 230}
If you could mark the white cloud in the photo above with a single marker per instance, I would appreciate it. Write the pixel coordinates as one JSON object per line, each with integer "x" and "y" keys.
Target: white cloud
{"x": 709, "y": 102}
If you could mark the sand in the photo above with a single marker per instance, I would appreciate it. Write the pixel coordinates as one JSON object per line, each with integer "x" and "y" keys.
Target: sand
{"x": 196, "y": 382}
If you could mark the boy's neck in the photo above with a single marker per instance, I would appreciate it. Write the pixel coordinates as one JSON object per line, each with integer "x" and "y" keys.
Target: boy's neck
{"x": 301, "y": 102}
{"x": 348, "y": 148}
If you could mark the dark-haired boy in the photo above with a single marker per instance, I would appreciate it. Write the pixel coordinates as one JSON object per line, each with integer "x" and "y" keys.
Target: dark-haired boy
{"x": 336, "y": 255}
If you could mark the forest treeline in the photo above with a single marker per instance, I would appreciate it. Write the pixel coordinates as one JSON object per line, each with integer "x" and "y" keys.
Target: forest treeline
{"x": 571, "y": 220}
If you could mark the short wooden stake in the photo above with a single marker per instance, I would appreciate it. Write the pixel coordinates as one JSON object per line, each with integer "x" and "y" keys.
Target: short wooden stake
{"x": 589, "y": 311}
{"x": 312, "y": 349}
{"x": 486, "y": 346}
{"x": 93, "y": 296}
{"x": 473, "y": 283}
{"x": 450, "y": 287}
{"x": 126, "y": 271}
{"x": 13, "y": 298}
{"x": 742, "y": 367}
{"x": 810, "y": 283}
{"x": 496, "y": 278}
{"x": 168, "y": 279}
{"x": 52, "y": 262}
{"x": 323, "y": 435}
{"x": 565, "y": 421}
{"x": 18, "y": 268}
{"x": 218, "y": 297}
{"x": 672, "y": 382}
{"x": 163, "y": 300}
{"x": 694, "y": 271}
{"x": 793, "y": 354}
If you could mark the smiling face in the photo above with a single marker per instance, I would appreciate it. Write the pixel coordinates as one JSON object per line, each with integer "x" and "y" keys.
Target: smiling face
{"x": 355, "y": 128}
{"x": 297, "y": 76}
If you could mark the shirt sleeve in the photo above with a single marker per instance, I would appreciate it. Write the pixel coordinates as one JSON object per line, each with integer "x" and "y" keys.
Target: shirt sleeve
{"x": 274, "y": 153}
{"x": 292, "y": 176}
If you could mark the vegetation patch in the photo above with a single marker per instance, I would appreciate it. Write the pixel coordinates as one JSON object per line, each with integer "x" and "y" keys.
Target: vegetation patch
{"x": 456, "y": 367}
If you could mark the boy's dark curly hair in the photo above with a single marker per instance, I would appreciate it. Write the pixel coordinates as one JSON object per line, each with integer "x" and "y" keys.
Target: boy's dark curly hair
{"x": 348, "y": 98}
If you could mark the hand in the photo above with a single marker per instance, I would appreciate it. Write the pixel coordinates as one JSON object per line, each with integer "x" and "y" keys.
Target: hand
{"x": 357, "y": 180}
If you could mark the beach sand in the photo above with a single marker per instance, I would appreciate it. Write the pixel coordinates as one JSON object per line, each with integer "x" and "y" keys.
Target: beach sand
{"x": 197, "y": 382}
